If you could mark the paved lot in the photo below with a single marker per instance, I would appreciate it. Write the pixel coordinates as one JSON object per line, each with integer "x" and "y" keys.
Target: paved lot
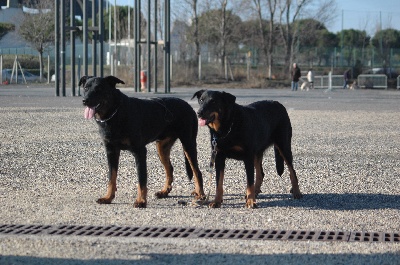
{"x": 346, "y": 147}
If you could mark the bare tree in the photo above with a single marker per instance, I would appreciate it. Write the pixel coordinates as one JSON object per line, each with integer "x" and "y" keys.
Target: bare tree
{"x": 37, "y": 27}
{"x": 223, "y": 31}
{"x": 193, "y": 16}
{"x": 267, "y": 42}
{"x": 290, "y": 11}
{"x": 214, "y": 25}
{"x": 288, "y": 14}
{"x": 194, "y": 7}
{"x": 271, "y": 40}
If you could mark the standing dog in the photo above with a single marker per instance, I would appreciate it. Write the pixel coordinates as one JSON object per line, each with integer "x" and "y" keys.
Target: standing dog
{"x": 244, "y": 133}
{"x": 130, "y": 124}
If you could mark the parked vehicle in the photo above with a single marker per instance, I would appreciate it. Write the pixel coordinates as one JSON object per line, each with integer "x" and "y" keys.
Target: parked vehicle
{"x": 390, "y": 72}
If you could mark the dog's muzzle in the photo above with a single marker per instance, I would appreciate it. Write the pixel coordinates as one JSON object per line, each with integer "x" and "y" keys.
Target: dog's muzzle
{"x": 90, "y": 111}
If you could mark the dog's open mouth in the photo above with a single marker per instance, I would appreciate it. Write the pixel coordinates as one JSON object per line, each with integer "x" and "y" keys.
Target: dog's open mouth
{"x": 90, "y": 111}
{"x": 204, "y": 122}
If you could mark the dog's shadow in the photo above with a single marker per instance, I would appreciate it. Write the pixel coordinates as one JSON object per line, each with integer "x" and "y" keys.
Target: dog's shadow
{"x": 316, "y": 201}
{"x": 332, "y": 201}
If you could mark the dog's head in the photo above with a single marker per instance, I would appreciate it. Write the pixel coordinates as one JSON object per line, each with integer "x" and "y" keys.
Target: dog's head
{"x": 98, "y": 93}
{"x": 215, "y": 107}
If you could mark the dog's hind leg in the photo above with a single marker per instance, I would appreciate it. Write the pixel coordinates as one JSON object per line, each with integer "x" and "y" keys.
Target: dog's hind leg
{"x": 164, "y": 150}
{"x": 188, "y": 139}
{"x": 192, "y": 168}
{"x": 112, "y": 158}
{"x": 191, "y": 159}
{"x": 286, "y": 153}
{"x": 279, "y": 162}
{"x": 259, "y": 173}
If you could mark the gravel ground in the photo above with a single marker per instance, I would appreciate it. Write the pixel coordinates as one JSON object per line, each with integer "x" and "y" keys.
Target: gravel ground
{"x": 346, "y": 147}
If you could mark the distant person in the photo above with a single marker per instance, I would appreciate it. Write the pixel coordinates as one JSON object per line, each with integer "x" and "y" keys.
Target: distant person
{"x": 296, "y": 74}
{"x": 310, "y": 78}
{"x": 346, "y": 78}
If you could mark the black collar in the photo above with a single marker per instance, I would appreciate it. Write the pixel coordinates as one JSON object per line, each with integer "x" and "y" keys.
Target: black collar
{"x": 109, "y": 118}
{"x": 226, "y": 135}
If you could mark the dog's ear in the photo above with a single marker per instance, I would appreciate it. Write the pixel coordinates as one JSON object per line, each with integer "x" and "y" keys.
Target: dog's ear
{"x": 228, "y": 98}
{"x": 198, "y": 94}
{"x": 83, "y": 80}
{"x": 113, "y": 80}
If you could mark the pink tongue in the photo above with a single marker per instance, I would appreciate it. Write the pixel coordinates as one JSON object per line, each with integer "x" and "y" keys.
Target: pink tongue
{"x": 89, "y": 113}
{"x": 202, "y": 122}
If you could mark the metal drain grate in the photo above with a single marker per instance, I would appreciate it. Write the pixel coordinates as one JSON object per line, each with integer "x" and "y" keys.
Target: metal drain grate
{"x": 171, "y": 232}
{"x": 374, "y": 237}
{"x": 276, "y": 235}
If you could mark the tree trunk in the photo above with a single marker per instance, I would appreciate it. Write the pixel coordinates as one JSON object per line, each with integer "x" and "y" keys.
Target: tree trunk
{"x": 272, "y": 8}
{"x": 196, "y": 35}
{"x": 41, "y": 65}
{"x": 223, "y": 34}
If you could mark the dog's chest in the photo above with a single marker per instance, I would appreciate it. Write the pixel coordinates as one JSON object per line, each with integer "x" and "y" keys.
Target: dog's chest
{"x": 115, "y": 136}
{"x": 234, "y": 150}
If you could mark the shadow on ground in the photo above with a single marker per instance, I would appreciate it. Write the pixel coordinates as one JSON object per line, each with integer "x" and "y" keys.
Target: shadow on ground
{"x": 332, "y": 201}
{"x": 220, "y": 258}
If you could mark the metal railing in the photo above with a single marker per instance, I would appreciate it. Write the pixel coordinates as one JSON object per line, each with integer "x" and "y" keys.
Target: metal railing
{"x": 398, "y": 82}
{"x": 372, "y": 81}
{"x": 322, "y": 81}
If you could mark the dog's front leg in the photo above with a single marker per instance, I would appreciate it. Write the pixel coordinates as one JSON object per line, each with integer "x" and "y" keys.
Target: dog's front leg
{"x": 141, "y": 167}
{"x": 250, "y": 190}
{"x": 219, "y": 177}
{"x": 112, "y": 159}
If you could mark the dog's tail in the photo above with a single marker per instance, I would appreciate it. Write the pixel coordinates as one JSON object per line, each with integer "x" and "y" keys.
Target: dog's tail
{"x": 189, "y": 171}
{"x": 279, "y": 162}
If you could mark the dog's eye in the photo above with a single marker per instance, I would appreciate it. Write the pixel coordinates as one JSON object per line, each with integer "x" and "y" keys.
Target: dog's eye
{"x": 201, "y": 101}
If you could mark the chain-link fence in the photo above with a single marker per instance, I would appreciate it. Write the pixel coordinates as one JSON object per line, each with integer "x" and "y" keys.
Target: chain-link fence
{"x": 244, "y": 64}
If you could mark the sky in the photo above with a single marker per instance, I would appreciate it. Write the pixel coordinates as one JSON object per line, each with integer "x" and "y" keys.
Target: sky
{"x": 366, "y": 15}
{"x": 357, "y": 14}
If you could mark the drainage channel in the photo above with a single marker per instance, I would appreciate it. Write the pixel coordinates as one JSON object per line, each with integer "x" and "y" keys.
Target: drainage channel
{"x": 170, "y": 232}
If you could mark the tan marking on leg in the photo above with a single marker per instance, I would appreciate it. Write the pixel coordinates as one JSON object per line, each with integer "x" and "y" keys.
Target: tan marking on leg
{"x": 259, "y": 176}
{"x": 111, "y": 189}
{"x": 219, "y": 192}
{"x": 141, "y": 200}
{"x": 198, "y": 185}
{"x": 293, "y": 178}
{"x": 164, "y": 150}
{"x": 251, "y": 197}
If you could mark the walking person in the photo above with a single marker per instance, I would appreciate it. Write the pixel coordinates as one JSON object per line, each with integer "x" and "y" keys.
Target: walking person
{"x": 346, "y": 78}
{"x": 310, "y": 78}
{"x": 296, "y": 74}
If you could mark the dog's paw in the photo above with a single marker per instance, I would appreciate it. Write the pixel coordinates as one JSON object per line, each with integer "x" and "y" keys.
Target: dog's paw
{"x": 296, "y": 194}
{"x": 251, "y": 204}
{"x": 199, "y": 197}
{"x": 140, "y": 204}
{"x": 105, "y": 200}
{"x": 214, "y": 204}
{"x": 162, "y": 194}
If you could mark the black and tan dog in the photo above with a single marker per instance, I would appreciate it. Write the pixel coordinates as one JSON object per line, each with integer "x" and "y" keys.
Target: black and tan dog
{"x": 127, "y": 123}
{"x": 244, "y": 133}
